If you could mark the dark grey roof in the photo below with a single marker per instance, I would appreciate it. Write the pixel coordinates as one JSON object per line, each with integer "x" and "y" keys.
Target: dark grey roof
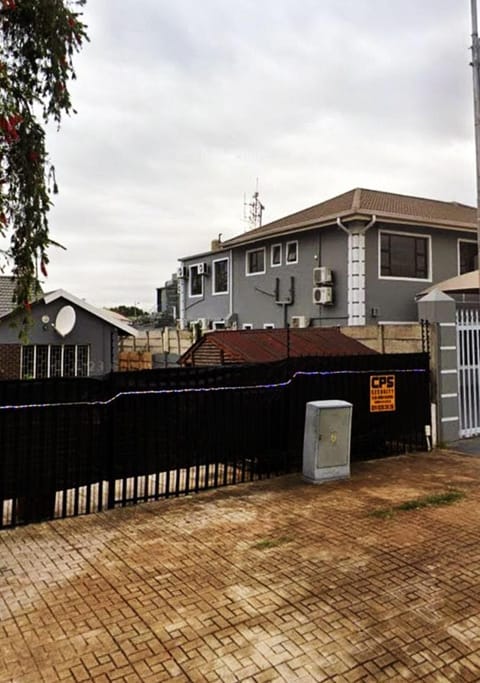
{"x": 7, "y": 288}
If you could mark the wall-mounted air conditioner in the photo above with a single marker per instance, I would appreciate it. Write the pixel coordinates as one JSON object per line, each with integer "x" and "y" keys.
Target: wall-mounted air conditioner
{"x": 322, "y": 275}
{"x": 182, "y": 272}
{"x": 323, "y": 295}
{"x": 202, "y": 269}
{"x": 300, "y": 321}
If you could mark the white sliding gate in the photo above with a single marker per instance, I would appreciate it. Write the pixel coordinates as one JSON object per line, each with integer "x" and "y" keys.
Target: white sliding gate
{"x": 468, "y": 353}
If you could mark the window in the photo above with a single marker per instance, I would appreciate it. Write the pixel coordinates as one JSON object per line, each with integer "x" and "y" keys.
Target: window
{"x": 255, "y": 261}
{"x": 404, "y": 256}
{"x": 220, "y": 276}
{"x": 276, "y": 255}
{"x": 247, "y": 326}
{"x": 196, "y": 281}
{"x": 218, "y": 325}
{"x": 268, "y": 326}
{"x": 48, "y": 360}
{"x": 291, "y": 254}
{"x": 467, "y": 256}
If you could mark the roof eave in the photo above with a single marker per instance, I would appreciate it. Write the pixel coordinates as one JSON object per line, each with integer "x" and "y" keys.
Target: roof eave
{"x": 348, "y": 216}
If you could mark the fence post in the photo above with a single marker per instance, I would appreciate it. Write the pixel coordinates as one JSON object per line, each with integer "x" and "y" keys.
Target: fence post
{"x": 440, "y": 310}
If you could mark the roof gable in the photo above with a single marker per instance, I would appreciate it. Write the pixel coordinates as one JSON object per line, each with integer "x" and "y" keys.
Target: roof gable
{"x": 101, "y": 313}
{"x": 7, "y": 286}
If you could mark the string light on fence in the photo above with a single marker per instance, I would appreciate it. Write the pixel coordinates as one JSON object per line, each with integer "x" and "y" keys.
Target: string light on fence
{"x": 196, "y": 390}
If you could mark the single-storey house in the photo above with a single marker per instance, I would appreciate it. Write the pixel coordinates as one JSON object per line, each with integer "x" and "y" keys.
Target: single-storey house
{"x": 358, "y": 258}
{"x": 262, "y": 346}
{"x": 68, "y": 337}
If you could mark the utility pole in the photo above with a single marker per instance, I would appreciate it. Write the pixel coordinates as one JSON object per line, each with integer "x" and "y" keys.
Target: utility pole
{"x": 476, "y": 109}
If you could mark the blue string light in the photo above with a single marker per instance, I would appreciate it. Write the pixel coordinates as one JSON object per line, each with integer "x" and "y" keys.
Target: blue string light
{"x": 196, "y": 390}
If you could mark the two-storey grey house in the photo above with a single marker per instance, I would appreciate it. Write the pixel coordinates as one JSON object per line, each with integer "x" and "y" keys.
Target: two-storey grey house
{"x": 355, "y": 259}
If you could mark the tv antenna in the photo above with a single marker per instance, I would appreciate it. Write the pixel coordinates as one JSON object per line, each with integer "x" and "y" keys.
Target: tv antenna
{"x": 253, "y": 210}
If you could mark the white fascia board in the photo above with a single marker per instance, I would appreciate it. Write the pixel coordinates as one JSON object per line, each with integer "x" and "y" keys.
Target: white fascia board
{"x": 97, "y": 312}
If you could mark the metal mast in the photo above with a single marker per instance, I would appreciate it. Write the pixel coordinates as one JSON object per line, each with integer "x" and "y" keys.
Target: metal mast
{"x": 255, "y": 211}
{"x": 476, "y": 106}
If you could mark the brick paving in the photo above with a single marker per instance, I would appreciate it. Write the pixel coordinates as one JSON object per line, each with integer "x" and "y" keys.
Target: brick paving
{"x": 276, "y": 580}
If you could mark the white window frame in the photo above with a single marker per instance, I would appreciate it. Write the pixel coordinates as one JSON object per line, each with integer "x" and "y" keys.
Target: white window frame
{"x": 49, "y": 360}
{"x": 404, "y": 234}
{"x": 247, "y": 326}
{"x": 218, "y": 325}
{"x": 268, "y": 326}
{"x": 190, "y": 280}
{"x": 214, "y": 281}
{"x": 258, "y": 272}
{"x": 463, "y": 239}
{"x": 278, "y": 245}
{"x": 288, "y": 261}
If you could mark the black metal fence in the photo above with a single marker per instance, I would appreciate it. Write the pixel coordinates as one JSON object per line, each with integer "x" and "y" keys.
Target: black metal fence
{"x": 75, "y": 446}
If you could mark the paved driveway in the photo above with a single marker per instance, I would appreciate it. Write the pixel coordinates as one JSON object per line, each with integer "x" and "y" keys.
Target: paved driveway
{"x": 270, "y": 581}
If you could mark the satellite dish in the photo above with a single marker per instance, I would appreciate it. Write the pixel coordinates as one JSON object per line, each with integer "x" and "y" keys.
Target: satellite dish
{"x": 65, "y": 320}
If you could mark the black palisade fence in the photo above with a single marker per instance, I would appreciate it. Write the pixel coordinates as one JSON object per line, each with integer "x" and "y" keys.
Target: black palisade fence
{"x": 75, "y": 446}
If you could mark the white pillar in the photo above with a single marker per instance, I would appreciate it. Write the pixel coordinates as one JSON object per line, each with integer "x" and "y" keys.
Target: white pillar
{"x": 182, "y": 297}
{"x": 356, "y": 278}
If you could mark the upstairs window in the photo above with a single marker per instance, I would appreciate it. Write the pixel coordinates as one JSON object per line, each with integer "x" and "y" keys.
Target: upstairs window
{"x": 276, "y": 255}
{"x": 291, "y": 253}
{"x": 220, "y": 276}
{"x": 404, "y": 256}
{"x": 255, "y": 261}
{"x": 467, "y": 256}
{"x": 195, "y": 281}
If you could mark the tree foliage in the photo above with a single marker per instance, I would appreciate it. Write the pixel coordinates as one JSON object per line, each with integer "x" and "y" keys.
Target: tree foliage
{"x": 129, "y": 311}
{"x": 38, "y": 40}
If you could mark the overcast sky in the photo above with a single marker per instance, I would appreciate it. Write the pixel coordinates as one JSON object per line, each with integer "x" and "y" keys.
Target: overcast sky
{"x": 183, "y": 105}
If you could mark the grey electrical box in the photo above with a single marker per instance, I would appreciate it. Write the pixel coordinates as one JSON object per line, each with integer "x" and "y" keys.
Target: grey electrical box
{"x": 326, "y": 443}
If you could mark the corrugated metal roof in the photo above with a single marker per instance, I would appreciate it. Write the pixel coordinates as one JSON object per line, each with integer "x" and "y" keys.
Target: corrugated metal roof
{"x": 362, "y": 202}
{"x": 260, "y": 346}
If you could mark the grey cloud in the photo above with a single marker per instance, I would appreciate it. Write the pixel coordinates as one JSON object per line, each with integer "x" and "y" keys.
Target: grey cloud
{"x": 183, "y": 105}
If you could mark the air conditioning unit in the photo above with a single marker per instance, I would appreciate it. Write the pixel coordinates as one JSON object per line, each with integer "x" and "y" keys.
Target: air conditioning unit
{"x": 202, "y": 269}
{"x": 323, "y": 295}
{"x": 182, "y": 272}
{"x": 300, "y": 321}
{"x": 322, "y": 275}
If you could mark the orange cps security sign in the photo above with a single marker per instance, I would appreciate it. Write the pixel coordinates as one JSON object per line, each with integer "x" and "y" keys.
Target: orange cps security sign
{"x": 382, "y": 393}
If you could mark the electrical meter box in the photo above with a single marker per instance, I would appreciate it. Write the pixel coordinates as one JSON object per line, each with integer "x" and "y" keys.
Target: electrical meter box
{"x": 326, "y": 443}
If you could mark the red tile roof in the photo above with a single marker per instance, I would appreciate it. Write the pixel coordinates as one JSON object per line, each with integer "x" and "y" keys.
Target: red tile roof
{"x": 260, "y": 346}
{"x": 362, "y": 203}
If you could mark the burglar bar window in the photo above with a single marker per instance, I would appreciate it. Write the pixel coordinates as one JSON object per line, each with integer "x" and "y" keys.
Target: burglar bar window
{"x": 48, "y": 360}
